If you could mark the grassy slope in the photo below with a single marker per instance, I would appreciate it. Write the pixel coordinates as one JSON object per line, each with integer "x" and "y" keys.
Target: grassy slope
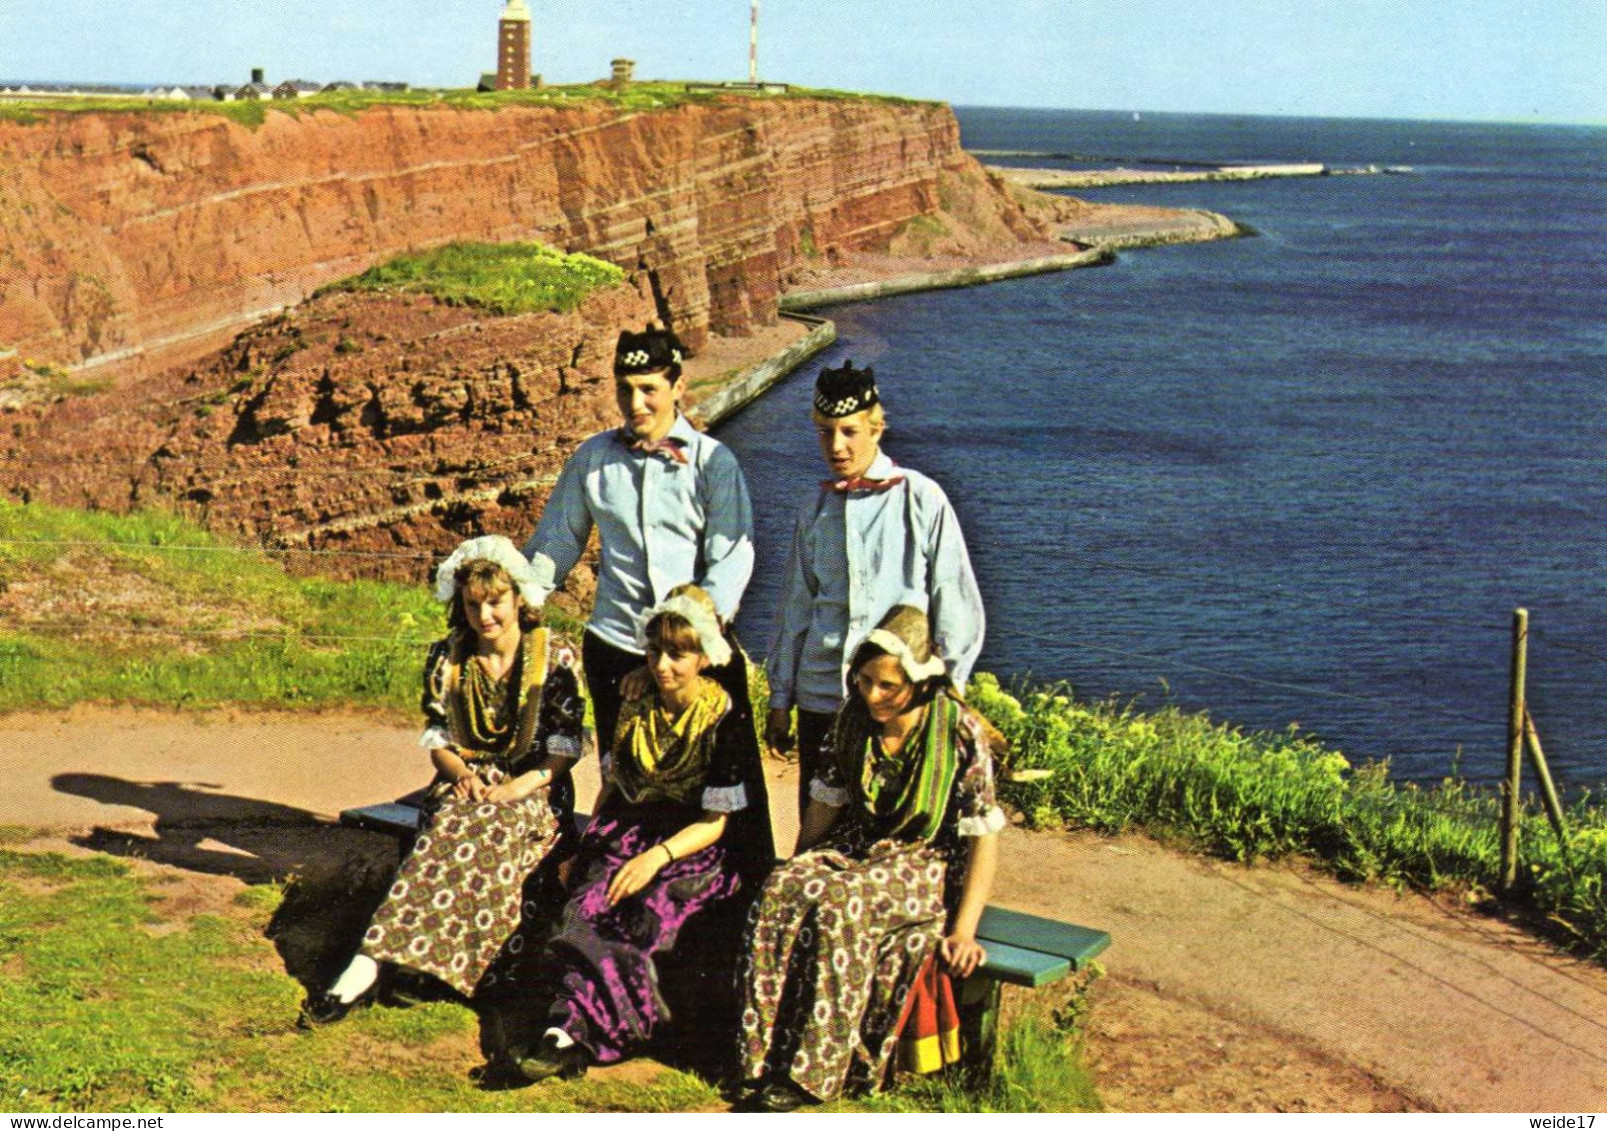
{"x": 506, "y": 278}
{"x": 1247, "y": 796}
{"x": 148, "y": 608}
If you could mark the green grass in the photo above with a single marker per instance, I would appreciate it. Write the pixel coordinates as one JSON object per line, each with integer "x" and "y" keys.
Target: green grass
{"x": 1251, "y": 796}
{"x": 40, "y": 379}
{"x": 507, "y": 278}
{"x": 211, "y": 625}
{"x": 1038, "y": 1068}
{"x": 641, "y": 97}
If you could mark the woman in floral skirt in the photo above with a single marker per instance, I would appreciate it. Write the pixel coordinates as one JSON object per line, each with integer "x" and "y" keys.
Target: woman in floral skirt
{"x": 503, "y": 717}
{"x": 896, "y": 855}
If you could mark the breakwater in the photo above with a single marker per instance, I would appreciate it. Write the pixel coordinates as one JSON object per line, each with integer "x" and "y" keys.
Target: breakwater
{"x": 1103, "y": 178}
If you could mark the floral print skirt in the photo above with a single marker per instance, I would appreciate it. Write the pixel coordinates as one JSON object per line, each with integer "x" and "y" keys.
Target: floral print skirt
{"x": 836, "y": 939}
{"x": 457, "y": 898}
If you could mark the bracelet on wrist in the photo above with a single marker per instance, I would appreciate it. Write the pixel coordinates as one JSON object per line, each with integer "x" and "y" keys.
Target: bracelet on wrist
{"x": 667, "y": 850}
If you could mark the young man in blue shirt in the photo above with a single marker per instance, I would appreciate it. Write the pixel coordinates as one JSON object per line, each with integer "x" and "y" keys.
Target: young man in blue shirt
{"x": 872, "y": 536}
{"x": 670, "y": 506}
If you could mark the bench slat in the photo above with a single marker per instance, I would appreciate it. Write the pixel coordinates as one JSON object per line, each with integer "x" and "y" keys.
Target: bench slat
{"x": 1022, "y": 967}
{"x": 1033, "y": 932}
{"x": 392, "y": 817}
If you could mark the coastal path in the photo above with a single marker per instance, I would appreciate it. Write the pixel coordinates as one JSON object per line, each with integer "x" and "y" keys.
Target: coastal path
{"x": 1228, "y": 988}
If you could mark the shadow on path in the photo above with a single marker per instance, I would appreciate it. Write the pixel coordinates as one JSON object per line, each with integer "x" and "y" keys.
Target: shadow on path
{"x": 334, "y": 877}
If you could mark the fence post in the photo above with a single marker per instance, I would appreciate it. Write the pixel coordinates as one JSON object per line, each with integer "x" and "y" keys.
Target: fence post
{"x": 1548, "y": 788}
{"x": 1510, "y": 786}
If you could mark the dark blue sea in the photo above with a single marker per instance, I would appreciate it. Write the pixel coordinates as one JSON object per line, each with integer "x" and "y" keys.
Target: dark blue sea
{"x": 1298, "y": 478}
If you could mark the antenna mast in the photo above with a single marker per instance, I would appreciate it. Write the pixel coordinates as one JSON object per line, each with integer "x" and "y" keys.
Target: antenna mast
{"x": 753, "y": 44}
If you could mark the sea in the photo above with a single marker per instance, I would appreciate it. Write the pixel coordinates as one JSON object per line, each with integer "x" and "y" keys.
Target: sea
{"x": 1298, "y": 480}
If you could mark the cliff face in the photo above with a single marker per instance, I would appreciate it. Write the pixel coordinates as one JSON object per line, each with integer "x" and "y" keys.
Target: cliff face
{"x": 386, "y": 427}
{"x": 131, "y": 239}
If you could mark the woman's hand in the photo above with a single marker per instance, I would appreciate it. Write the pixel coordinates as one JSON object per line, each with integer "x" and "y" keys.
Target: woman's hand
{"x": 778, "y": 732}
{"x": 635, "y": 684}
{"x": 521, "y": 787}
{"x": 509, "y": 790}
{"x": 470, "y": 788}
{"x": 636, "y": 874}
{"x": 962, "y": 953}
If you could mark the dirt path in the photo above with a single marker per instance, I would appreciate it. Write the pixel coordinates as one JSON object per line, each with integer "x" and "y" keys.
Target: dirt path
{"x": 1228, "y": 988}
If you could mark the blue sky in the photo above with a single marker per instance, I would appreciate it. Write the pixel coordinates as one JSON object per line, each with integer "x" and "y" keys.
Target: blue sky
{"x": 1478, "y": 59}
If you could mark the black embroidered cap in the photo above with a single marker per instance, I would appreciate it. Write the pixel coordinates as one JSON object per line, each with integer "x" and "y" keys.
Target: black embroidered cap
{"x": 651, "y": 350}
{"x": 845, "y": 391}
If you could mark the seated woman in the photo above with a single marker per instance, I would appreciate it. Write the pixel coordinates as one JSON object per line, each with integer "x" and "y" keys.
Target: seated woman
{"x": 682, "y": 827}
{"x": 903, "y": 803}
{"x": 503, "y": 727}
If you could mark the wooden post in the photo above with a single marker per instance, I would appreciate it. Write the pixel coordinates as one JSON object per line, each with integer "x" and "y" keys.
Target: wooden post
{"x": 1510, "y": 787}
{"x": 1548, "y": 788}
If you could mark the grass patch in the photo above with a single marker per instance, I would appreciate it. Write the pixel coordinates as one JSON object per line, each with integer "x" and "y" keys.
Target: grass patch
{"x": 1038, "y": 1068}
{"x": 1250, "y": 796}
{"x": 640, "y": 97}
{"x": 507, "y": 278}
{"x": 182, "y": 619}
{"x": 41, "y": 381}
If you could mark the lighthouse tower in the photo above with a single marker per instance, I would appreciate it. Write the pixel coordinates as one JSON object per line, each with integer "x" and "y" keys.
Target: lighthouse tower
{"x": 513, "y": 47}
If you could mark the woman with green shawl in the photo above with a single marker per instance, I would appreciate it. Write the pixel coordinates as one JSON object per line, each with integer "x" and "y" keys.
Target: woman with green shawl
{"x": 896, "y": 854}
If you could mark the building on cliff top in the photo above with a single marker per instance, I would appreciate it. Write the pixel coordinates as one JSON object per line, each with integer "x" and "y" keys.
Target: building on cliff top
{"x": 513, "y": 47}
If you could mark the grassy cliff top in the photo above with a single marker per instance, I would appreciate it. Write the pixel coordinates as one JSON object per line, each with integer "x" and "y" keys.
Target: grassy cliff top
{"x": 640, "y": 97}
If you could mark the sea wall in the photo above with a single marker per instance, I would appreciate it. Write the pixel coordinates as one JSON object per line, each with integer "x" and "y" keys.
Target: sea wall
{"x": 133, "y": 239}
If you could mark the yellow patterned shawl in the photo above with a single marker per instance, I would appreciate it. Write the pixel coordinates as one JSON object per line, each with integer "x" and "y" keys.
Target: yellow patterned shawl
{"x": 660, "y": 758}
{"x": 492, "y": 719}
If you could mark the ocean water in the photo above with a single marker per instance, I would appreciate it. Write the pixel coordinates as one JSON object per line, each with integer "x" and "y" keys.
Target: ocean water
{"x": 1302, "y": 478}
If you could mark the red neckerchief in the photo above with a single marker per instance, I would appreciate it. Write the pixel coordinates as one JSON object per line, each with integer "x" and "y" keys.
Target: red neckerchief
{"x": 669, "y": 447}
{"x": 860, "y": 483}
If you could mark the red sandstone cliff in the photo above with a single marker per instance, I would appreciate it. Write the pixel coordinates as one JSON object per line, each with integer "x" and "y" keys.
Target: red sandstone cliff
{"x": 150, "y": 237}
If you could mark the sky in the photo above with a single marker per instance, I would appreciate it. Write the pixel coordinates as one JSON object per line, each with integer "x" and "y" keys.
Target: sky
{"x": 1506, "y": 60}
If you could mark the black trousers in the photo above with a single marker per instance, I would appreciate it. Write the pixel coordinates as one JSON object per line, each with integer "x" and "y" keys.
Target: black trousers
{"x": 813, "y": 728}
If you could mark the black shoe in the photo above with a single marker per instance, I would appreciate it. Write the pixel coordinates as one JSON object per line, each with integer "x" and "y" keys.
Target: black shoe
{"x": 545, "y": 1059}
{"x": 780, "y": 1095}
{"x": 326, "y": 1009}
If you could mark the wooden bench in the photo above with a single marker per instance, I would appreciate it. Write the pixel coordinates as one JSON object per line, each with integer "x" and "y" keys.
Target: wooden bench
{"x": 1023, "y": 950}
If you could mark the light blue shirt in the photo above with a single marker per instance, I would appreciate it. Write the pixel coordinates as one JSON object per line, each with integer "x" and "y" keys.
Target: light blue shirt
{"x": 661, "y": 524}
{"x": 855, "y": 556}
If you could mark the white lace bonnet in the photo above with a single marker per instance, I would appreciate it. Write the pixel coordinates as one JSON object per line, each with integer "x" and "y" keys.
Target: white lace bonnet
{"x": 500, "y": 551}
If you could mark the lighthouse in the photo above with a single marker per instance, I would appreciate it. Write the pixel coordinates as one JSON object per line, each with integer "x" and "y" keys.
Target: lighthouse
{"x": 513, "y": 47}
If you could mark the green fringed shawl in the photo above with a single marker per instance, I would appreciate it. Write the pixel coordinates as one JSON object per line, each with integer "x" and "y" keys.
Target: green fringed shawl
{"x": 906, "y": 794}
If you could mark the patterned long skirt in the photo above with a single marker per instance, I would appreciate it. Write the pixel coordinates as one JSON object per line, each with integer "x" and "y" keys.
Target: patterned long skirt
{"x": 836, "y": 939}
{"x": 457, "y": 897}
{"x": 602, "y": 969}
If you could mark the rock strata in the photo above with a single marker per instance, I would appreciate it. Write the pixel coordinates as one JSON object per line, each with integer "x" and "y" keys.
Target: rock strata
{"x": 385, "y": 427}
{"x": 128, "y": 240}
